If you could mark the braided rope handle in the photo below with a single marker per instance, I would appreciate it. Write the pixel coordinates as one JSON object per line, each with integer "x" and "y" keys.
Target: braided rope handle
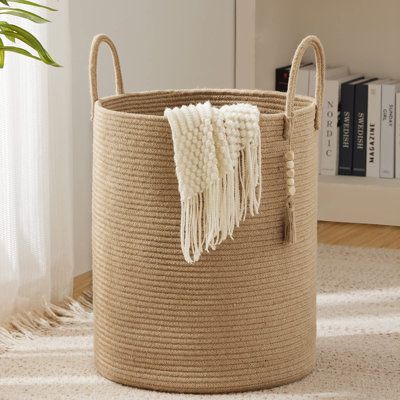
{"x": 94, "y": 51}
{"x": 314, "y": 42}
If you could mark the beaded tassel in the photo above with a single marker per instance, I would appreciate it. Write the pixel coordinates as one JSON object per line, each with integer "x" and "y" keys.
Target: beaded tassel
{"x": 290, "y": 222}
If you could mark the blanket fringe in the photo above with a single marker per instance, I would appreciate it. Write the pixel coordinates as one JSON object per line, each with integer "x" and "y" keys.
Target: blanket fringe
{"x": 31, "y": 324}
{"x": 221, "y": 207}
{"x": 217, "y": 153}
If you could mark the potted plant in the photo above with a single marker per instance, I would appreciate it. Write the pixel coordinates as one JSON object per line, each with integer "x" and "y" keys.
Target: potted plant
{"x": 12, "y": 33}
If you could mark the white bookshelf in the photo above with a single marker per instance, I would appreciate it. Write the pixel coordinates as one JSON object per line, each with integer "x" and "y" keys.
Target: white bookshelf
{"x": 359, "y": 200}
{"x": 362, "y": 34}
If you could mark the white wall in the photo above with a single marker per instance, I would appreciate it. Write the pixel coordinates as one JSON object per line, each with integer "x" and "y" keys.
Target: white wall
{"x": 276, "y": 38}
{"x": 162, "y": 44}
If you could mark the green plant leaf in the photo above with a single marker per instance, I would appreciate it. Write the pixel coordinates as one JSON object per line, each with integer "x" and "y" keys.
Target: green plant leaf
{"x": 4, "y": 2}
{"x": 26, "y": 37}
{"x": 20, "y": 50}
{"x": 23, "y": 14}
{"x": 3, "y": 31}
{"x": 2, "y": 54}
{"x": 10, "y": 38}
{"x": 30, "y": 3}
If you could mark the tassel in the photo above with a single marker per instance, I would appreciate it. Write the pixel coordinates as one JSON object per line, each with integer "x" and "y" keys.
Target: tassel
{"x": 290, "y": 222}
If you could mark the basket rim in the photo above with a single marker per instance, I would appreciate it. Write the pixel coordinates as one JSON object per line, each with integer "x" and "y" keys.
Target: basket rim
{"x": 160, "y": 118}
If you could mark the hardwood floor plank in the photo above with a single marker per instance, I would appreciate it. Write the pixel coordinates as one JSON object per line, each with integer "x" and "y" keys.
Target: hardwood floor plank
{"x": 81, "y": 283}
{"x": 360, "y": 235}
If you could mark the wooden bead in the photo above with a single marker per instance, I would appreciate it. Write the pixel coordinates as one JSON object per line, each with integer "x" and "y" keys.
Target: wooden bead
{"x": 289, "y": 155}
{"x": 289, "y": 164}
{"x": 290, "y": 181}
{"x": 291, "y": 190}
{"x": 290, "y": 173}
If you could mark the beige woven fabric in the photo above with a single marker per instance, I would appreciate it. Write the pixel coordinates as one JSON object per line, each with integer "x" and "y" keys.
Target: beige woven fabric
{"x": 241, "y": 318}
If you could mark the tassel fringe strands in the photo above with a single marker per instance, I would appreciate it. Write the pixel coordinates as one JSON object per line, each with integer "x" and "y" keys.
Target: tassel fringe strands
{"x": 217, "y": 153}
{"x": 35, "y": 323}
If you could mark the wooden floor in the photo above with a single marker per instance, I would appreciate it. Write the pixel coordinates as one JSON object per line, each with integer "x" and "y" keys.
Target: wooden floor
{"x": 359, "y": 235}
{"x": 81, "y": 283}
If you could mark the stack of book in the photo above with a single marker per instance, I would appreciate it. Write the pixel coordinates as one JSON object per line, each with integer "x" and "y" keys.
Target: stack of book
{"x": 360, "y": 126}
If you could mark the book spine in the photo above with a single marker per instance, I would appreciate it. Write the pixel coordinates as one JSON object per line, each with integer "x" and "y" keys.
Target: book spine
{"x": 311, "y": 82}
{"x": 282, "y": 79}
{"x": 346, "y": 130}
{"x": 397, "y": 157}
{"x": 330, "y": 129}
{"x": 360, "y": 130}
{"x": 374, "y": 130}
{"x": 387, "y": 132}
{"x": 330, "y": 73}
{"x": 302, "y": 82}
{"x": 311, "y": 93}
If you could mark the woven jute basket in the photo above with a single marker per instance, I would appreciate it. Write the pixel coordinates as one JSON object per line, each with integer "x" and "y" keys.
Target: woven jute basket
{"x": 241, "y": 318}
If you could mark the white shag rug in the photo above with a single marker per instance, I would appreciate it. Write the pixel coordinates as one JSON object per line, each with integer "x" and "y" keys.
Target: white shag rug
{"x": 358, "y": 344}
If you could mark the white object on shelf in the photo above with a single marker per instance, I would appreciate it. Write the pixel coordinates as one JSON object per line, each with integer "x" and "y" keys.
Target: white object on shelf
{"x": 330, "y": 73}
{"x": 303, "y": 79}
{"x": 397, "y": 145}
{"x": 374, "y": 128}
{"x": 359, "y": 200}
{"x": 389, "y": 91}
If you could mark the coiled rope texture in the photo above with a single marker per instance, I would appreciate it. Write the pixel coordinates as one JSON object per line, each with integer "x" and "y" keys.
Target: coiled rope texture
{"x": 241, "y": 318}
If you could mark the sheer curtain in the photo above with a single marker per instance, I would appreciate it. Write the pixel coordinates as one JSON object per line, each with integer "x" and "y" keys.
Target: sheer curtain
{"x": 36, "y": 255}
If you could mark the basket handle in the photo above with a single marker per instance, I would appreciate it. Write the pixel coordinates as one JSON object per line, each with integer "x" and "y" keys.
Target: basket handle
{"x": 314, "y": 42}
{"x": 94, "y": 51}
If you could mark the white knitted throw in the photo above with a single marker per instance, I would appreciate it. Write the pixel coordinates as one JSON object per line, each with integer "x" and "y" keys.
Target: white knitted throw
{"x": 218, "y": 166}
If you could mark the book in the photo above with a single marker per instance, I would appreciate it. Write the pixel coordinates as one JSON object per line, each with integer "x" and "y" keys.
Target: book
{"x": 330, "y": 72}
{"x": 330, "y": 124}
{"x": 397, "y": 146}
{"x": 303, "y": 79}
{"x": 360, "y": 128}
{"x": 347, "y": 93}
{"x": 282, "y": 78}
{"x": 374, "y": 127}
{"x": 388, "y": 119}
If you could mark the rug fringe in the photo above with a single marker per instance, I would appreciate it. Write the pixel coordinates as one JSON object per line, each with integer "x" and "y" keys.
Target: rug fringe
{"x": 31, "y": 324}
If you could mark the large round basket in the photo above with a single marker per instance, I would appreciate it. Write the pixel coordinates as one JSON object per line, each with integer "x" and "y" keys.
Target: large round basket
{"x": 241, "y": 318}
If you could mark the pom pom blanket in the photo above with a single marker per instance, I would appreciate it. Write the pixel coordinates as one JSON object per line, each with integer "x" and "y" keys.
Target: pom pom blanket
{"x": 217, "y": 154}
